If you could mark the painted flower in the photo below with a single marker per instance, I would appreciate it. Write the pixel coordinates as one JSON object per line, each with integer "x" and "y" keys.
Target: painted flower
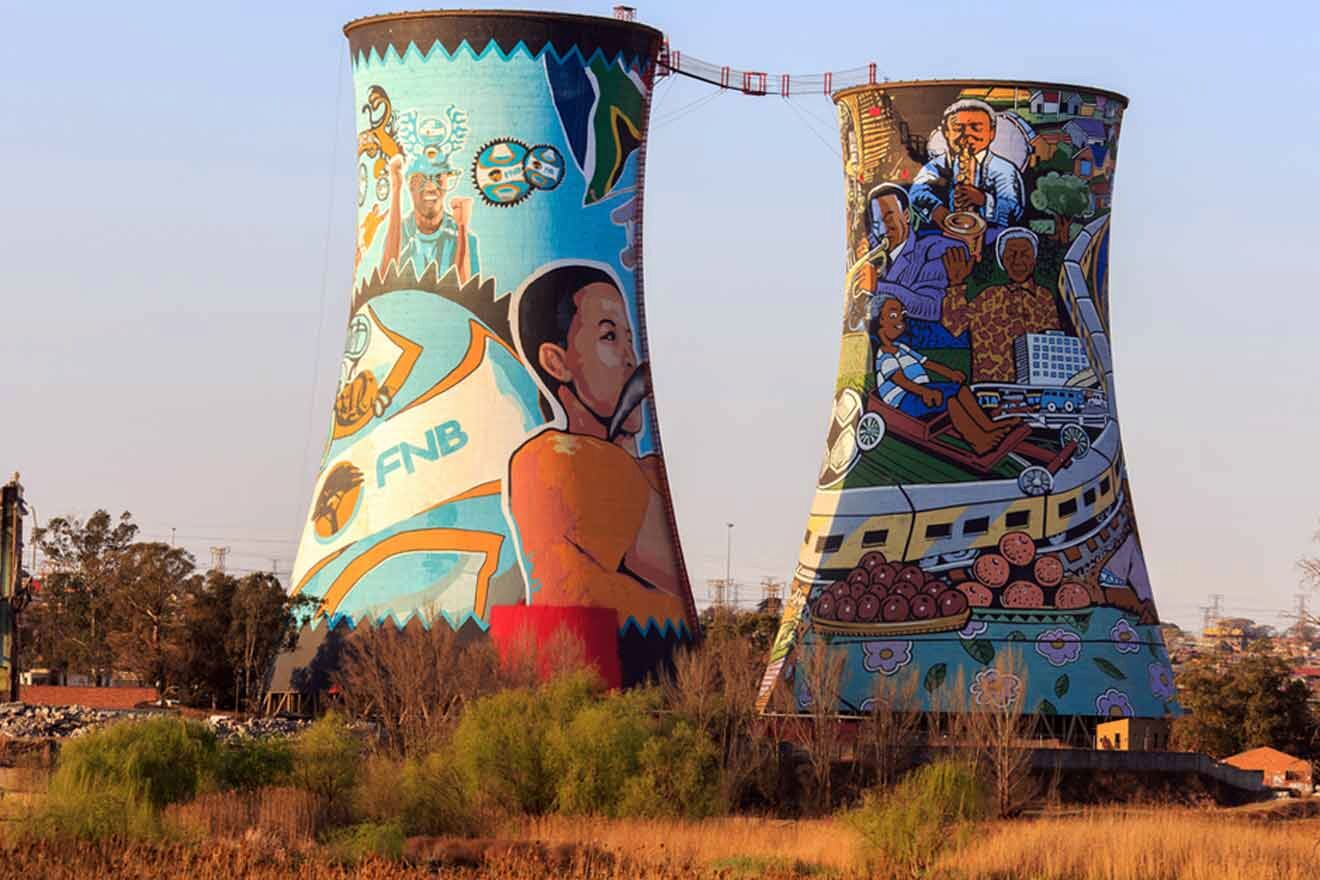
{"x": 973, "y": 629}
{"x": 997, "y": 689}
{"x": 886, "y": 657}
{"x": 868, "y": 705}
{"x": 804, "y": 699}
{"x": 1059, "y": 646}
{"x": 1126, "y": 639}
{"x": 1161, "y": 681}
{"x": 1113, "y": 703}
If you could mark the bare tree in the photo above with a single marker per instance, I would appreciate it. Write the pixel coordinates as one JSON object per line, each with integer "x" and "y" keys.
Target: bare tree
{"x": 820, "y": 670}
{"x": 413, "y": 683}
{"x": 714, "y": 687}
{"x": 525, "y": 660}
{"x": 889, "y": 734}
{"x": 998, "y": 732}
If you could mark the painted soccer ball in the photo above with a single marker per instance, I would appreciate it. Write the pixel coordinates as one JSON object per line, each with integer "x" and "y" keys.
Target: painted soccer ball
{"x": 544, "y": 167}
{"x": 498, "y": 173}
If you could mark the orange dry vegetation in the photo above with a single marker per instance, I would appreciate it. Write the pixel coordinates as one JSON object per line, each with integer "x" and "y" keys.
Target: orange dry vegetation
{"x": 820, "y": 842}
{"x": 1168, "y": 844}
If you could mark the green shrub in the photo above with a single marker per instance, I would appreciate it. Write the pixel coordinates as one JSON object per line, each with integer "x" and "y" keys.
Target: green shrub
{"x": 678, "y": 775}
{"x": 160, "y": 760}
{"x": 90, "y": 811}
{"x": 357, "y": 842}
{"x": 423, "y": 795}
{"x": 115, "y": 781}
{"x": 751, "y": 867}
{"x": 930, "y": 808}
{"x": 598, "y": 753}
{"x": 503, "y": 746}
{"x": 246, "y": 764}
{"x": 325, "y": 763}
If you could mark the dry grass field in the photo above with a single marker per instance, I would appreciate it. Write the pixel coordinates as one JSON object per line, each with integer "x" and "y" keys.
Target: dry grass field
{"x": 1141, "y": 845}
{"x": 1153, "y": 844}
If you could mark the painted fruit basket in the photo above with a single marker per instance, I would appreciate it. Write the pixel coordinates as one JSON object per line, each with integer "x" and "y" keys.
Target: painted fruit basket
{"x": 893, "y": 630}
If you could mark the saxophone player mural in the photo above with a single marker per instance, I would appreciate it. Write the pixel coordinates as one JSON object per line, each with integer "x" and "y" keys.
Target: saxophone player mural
{"x": 493, "y": 460}
{"x": 973, "y": 498}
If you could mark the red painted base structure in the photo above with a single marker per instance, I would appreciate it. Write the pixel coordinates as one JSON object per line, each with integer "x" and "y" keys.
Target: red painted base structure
{"x": 596, "y": 628}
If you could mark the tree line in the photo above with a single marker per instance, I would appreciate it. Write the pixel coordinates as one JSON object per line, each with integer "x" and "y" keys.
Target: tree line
{"x": 107, "y": 602}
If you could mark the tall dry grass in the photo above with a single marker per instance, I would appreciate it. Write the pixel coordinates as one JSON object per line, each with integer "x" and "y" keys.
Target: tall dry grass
{"x": 1168, "y": 844}
{"x": 1164, "y": 844}
{"x": 285, "y": 815}
{"x": 819, "y": 841}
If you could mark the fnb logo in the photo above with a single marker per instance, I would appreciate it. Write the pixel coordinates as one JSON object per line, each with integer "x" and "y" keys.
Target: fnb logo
{"x": 444, "y": 439}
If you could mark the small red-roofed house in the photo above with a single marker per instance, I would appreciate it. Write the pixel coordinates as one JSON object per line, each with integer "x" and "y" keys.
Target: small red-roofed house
{"x": 1281, "y": 770}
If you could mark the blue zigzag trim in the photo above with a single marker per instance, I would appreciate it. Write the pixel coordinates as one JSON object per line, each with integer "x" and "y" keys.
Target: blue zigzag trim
{"x": 400, "y": 622}
{"x": 364, "y": 59}
{"x": 668, "y": 630}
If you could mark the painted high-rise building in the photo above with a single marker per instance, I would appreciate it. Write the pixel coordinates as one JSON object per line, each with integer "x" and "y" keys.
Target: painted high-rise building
{"x": 968, "y": 511}
{"x": 493, "y": 460}
{"x": 1050, "y": 358}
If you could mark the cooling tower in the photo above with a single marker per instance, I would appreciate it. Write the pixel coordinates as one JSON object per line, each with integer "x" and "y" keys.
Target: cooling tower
{"x": 974, "y": 504}
{"x": 493, "y": 461}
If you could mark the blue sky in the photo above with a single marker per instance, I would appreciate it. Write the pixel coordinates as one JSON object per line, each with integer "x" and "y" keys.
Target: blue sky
{"x": 177, "y": 249}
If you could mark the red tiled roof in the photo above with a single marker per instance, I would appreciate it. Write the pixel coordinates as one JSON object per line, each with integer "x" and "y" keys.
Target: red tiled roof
{"x": 93, "y": 697}
{"x": 1267, "y": 759}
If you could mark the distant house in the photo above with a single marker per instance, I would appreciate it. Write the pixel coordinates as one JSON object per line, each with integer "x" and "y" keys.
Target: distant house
{"x": 1106, "y": 107}
{"x": 1102, "y": 195}
{"x": 1086, "y": 131}
{"x": 1281, "y": 770}
{"x": 1048, "y": 102}
{"x": 1045, "y": 146}
{"x": 1093, "y": 160}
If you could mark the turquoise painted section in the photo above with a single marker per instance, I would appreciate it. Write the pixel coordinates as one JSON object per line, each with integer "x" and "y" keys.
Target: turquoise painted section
{"x": 494, "y": 439}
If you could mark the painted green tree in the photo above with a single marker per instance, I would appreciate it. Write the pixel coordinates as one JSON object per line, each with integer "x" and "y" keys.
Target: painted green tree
{"x": 1064, "y": 197}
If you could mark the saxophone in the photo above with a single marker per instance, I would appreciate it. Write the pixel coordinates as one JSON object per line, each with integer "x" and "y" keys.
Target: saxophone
{"x": 966, "y": 226}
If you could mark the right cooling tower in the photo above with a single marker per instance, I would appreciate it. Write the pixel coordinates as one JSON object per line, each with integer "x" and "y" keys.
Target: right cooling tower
{"x": 974, "y": 500}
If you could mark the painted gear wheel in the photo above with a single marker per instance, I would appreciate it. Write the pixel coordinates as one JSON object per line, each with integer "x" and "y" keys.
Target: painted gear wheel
{"x": 498, "y": 172}
{"x": 544, "y": 167}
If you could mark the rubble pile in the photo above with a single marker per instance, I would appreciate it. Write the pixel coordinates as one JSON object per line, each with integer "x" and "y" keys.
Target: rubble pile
{"x": 226, "y": 726}
{"x": 21, "y": 721}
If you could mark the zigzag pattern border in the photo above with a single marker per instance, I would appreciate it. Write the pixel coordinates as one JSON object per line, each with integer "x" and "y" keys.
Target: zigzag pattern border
{"x": 365, "y": 60}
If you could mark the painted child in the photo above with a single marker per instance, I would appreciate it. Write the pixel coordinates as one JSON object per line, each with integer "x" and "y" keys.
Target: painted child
{"x": 903, "y": 382}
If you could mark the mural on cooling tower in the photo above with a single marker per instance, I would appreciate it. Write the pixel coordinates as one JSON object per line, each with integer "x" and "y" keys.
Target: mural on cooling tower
{"x": 973, "y": 498}
{"x": 493, "y": 440}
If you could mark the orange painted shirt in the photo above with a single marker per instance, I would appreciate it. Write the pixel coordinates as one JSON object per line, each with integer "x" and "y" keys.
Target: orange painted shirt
{"x": 579, "y": 503}
{"x": 997, "y": 317}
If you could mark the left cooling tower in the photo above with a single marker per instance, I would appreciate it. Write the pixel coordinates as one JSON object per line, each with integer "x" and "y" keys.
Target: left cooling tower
{"x": 493, "y": 461}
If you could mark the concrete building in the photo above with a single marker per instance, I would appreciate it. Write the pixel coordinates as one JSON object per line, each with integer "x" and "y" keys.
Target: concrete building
{"x": 1133, "y": 735}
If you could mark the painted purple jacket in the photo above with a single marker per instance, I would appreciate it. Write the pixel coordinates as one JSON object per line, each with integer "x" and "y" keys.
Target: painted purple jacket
{"x": 916, "y": 277}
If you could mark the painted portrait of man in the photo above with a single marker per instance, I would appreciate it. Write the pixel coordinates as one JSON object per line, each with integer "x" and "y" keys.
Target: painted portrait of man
{"x": 589, "y": 510}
